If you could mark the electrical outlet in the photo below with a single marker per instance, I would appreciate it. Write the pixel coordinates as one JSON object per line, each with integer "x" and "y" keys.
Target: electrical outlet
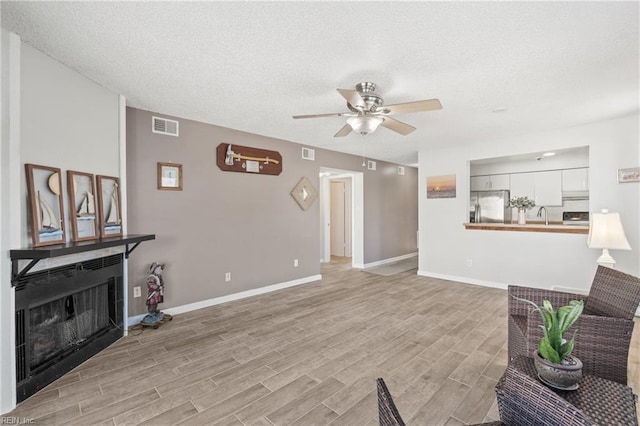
{"x": 295, "y": 263}
{"x": 469, "y": 263}
{"x": 137, "y": 292}
{"x": 227, "y": 276}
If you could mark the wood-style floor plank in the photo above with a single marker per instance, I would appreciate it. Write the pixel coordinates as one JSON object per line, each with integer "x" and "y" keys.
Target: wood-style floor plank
{"x": 308, "y": 355}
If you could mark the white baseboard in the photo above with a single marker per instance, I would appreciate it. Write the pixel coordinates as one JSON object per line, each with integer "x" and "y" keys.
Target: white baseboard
{"x": 228, "y": 298}
{"x": 390, "y": 260}
{"x": 465, "y": 280}
{"x": 131, "y": 321}
{"x": 496, "y": 285}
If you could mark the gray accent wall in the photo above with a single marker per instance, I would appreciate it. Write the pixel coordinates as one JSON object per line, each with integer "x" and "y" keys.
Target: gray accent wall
{"x": 245, "y": 224}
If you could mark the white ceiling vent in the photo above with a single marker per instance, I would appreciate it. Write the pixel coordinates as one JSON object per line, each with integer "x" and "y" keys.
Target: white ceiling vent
{"x": 401, "y": 170}
{"x": 308, "y": 154}
{"x": 371, "y": 165}
{"x": 164, "y": 126}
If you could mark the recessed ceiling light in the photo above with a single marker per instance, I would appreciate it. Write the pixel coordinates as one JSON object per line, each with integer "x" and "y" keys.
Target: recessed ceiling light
{"x": 501, "y": 109}
{"x": 548, "y": 154}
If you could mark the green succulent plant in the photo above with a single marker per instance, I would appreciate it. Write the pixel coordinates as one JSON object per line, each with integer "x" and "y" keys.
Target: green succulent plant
{"x": 553, "y": 347}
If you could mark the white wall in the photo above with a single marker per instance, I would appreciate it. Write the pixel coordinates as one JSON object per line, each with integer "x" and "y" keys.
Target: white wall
{"x": 68, "y": 121}
{"x": 565, "y": 159}
{"x": 545, "y": 260}
{"x": 9, "y": 96}
{"x": 51, "y": 116}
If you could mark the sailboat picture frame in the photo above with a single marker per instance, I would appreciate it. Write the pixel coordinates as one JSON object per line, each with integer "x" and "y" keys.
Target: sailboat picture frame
{"x": 46, "y": 209}
{"x": 82, "y": 203}
{"x": 109, "y": 211}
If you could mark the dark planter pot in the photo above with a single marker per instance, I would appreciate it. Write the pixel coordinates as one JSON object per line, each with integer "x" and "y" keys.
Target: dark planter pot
{"x": 560, "y": 376}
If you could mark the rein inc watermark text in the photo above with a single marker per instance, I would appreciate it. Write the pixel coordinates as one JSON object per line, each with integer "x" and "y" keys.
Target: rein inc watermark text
{"x": 12, "y": 420}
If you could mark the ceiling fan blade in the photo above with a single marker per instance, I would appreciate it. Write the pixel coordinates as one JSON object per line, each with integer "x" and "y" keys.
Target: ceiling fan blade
{"x": 343, "y": 132}
{"x": 417, "y": 106}
{"x": 397, "y": 126}
{"x": 353, "y": 97}
{"x": 333, "y": 114}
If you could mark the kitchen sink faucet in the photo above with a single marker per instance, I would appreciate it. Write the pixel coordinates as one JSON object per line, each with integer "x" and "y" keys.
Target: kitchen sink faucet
{"x": 546, "y": 216}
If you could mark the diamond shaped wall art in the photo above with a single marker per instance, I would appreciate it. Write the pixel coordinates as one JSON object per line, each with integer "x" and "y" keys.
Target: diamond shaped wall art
{"x": 304, "y": 193}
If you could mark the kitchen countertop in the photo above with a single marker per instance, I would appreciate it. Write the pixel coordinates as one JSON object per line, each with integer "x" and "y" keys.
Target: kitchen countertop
{"x": 557, "y": 227}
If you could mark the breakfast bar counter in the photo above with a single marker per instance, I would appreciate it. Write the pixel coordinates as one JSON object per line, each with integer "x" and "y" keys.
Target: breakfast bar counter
{"x": 529, "y": 227}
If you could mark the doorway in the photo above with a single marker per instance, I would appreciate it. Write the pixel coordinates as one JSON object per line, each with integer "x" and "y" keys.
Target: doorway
{"x": 342, "y": 215}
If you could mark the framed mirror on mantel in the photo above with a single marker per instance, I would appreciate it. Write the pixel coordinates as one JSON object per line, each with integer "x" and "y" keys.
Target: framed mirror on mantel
{"x": 557, "y": 180}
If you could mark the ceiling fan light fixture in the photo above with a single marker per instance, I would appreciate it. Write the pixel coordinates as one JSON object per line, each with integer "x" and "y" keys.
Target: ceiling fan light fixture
{"x": 364, "y": 124}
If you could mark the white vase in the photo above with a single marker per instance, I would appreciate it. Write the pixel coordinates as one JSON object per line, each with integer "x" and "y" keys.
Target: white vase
{"x": 522, "y": 217}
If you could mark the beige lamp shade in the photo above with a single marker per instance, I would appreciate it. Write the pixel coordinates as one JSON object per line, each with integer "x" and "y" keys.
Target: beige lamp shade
{"x": 606, "y": 233}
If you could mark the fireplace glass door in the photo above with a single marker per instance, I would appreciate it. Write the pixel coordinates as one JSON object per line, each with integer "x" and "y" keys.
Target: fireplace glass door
{"x": 57, "y": 327}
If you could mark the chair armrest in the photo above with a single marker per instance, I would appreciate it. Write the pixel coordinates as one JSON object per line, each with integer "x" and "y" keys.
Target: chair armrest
{"x": 602, "y": 343}
{"x": 537, "y": 295}
{"x": 523, "y": 400}
{"x": 605, "y": 334}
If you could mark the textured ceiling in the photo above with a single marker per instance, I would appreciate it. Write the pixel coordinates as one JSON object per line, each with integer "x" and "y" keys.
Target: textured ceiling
{"x": 252, "y": 65}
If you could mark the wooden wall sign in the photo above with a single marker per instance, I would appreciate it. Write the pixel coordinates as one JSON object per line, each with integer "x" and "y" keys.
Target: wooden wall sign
{"x": 244, "y": 159}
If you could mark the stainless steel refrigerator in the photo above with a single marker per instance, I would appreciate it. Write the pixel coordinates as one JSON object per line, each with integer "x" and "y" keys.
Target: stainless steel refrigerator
{"x": 490, "y": 207}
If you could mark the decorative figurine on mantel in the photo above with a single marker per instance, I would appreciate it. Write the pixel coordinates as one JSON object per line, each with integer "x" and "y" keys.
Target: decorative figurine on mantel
{"x": 155, "y": 288}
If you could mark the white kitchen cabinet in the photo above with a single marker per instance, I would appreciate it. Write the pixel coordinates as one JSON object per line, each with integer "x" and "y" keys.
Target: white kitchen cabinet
{"x": 523, "y": 185}
{"x": 490, "y": 182}
{"x": 575, "y": 179}
{"x": 480, "y": 183}
{"x": 543, "y": 187}
{"x": 499, "y": 182}
{"x": 548, "y": 188}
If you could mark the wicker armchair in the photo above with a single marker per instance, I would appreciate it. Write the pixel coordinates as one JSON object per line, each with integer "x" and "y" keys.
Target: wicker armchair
{"x": 603, "y": 331}
{"x": 524, "y": 401}
{"x": 388, "y": 414}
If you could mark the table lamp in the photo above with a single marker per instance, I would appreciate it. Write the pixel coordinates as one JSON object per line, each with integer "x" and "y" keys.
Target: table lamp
{"x": 606, "y": 233}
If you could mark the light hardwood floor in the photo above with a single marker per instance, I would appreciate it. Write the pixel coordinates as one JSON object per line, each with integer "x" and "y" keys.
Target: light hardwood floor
{"x": 308, "y": 355}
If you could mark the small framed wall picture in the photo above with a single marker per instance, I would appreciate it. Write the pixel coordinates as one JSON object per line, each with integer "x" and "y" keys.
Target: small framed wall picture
{"x": 45, "y": 204}
{"x": 170, "y": 176}
{"x": 109, "y": 211}
{"x": 82, "y": 201}
{"x": 629, "y": 175}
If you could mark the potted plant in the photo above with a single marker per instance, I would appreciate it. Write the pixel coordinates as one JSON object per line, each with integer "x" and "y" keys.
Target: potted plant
{"x": 553, "y": 360}
{"x": 522, "y": 204}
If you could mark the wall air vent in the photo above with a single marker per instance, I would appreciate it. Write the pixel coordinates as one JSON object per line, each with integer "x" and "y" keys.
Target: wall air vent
{"x": 165, "y": 126}
{"x": 308, "y": 154}
{"x": 371, "y": 165}
{"x": 401, "y": 170}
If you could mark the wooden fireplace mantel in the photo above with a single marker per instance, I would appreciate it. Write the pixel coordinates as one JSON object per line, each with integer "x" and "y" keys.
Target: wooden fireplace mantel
{"x": 35, "y": 254}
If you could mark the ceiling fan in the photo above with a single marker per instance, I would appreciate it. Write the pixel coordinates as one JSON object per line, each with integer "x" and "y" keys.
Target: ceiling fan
{"x": 367, "y": 111}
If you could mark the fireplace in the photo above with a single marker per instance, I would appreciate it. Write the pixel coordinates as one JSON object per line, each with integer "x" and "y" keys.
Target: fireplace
{"x": 64, "y": 316}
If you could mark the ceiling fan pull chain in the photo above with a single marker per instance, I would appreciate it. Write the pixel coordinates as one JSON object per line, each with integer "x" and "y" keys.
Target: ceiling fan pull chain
{"x": 364, "y": 163}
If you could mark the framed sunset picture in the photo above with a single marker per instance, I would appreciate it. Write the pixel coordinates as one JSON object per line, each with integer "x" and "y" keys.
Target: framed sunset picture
{"x": 441, "y": 186}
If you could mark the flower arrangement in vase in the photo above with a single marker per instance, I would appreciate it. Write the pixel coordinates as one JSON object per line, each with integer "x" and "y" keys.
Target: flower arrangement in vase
{"x": 522, "y": 204}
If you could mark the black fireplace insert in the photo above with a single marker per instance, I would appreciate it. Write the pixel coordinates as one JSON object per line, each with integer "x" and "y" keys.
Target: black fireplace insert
{"x": 64, "y": 316}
